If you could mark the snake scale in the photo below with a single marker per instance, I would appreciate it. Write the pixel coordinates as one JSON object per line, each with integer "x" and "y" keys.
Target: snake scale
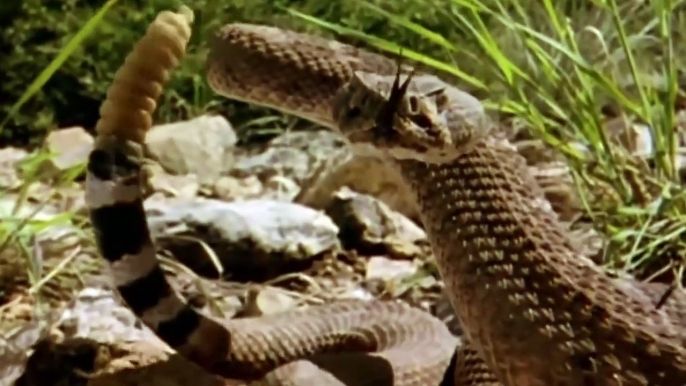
{"x": 534, "y": 310}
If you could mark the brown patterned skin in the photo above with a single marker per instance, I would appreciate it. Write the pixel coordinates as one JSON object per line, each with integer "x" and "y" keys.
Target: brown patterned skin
{"x": 349, "y": 343}
{"x": 310, "y": 69}
{"x": 534, "y": 309}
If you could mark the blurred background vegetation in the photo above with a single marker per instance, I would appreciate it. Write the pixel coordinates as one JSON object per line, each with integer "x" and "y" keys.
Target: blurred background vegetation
{"x": 34, "y": 32}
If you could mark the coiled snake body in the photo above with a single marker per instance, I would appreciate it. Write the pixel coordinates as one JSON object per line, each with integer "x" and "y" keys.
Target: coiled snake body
{"x": 535, "y": 311}
{"x": 348, "y": 343}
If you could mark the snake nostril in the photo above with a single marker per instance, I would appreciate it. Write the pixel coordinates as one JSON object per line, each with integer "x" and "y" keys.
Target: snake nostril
{"x": 354, "y": 112}
{"x": 421, "y": 120}
{"x": 413, "y": 103}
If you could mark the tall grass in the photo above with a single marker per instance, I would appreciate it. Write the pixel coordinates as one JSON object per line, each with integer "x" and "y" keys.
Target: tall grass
{"x": 550, "y": 67}
{"x": 22, "y": 224}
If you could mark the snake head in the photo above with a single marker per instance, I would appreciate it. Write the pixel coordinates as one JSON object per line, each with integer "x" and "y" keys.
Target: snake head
{"x": 409, "y": 116}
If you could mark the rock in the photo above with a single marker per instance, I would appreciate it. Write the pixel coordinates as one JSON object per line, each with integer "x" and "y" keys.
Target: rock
{"x": 252, "y": 239}
{"x": 267, "y": 301}
{"x": 321, "y": 162}
{"x": 370, "y": 226}
{"x": 185, "y": 186}
{"x": 68, "y": 148}
{"x": 71, "y": 198}
{"x": 232, "y": 188}
{"x": 143, "y": 364}
{"x": 636, "y": 138}
{"x": 97, "y": 314}
{"x": 99, "y": 342}
{"x": 365, "y": 173}
{"x": 280, "y": 188}
{"x": 201, "y": 146}
{"x": 383, "y": 268}
{"x": 15, "y": 350}
{"x": 9, "y": 173}
{"x": 293, "y": 154}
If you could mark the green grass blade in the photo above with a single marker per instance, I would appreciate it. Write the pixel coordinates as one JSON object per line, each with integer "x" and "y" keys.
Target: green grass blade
{"x": 411, "y": 26}
{"x": 392, "y": 48}
{"x": 56, "y": 63}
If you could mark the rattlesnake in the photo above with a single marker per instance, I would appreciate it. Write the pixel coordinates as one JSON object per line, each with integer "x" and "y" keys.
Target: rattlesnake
{"x": 345, "y": 343}
{"x": 535, "y": 311}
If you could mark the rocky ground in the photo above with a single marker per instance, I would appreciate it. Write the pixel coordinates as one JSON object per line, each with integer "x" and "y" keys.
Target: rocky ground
{"x": 242, "y": 231}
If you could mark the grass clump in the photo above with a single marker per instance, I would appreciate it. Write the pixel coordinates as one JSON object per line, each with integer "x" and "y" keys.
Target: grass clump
{"x": 555, "y": 69}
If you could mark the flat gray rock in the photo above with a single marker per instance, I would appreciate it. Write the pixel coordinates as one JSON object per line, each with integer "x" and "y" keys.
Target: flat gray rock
{"x": 249, "y": 237}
